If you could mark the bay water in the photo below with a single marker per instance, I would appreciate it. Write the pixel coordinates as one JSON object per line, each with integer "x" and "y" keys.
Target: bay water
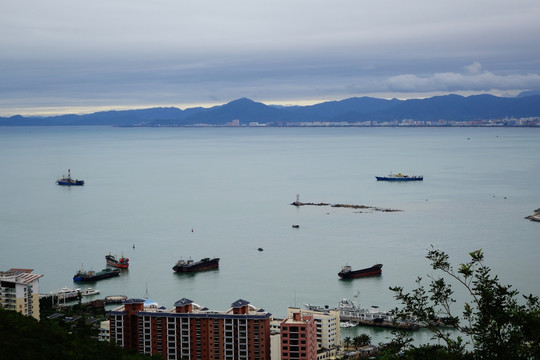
{"x": 157, "y": 195}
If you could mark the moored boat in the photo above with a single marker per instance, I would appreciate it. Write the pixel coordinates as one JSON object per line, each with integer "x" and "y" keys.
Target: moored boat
{"x": 400, "y": 177}
{"x": 64, "y": 294}
{"x": 348, "y": 273}
{"x": 90, "y": 276}
{"x": 113, "y": 260}
{"x": 351, "y": 313}
{"x": 89, "y": 292}
{"x": 193, "y": 266}
{"x": 68, "y": 181}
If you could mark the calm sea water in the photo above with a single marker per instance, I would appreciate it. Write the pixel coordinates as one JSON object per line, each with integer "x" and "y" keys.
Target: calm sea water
{"x": 224, "y": 192}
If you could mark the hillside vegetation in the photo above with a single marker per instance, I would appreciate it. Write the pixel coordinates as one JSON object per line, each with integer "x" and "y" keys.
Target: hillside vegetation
{"x": 22, "y": 337}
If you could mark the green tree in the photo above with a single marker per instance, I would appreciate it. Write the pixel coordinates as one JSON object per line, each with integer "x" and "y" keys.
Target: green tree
{"x": 364, "y": 340}
{"x": 356, "y": 342}
{"x": 494, "y": 325}
{"x": 361, "y": 340}
{"x": 23, "y": 337}
{"x": 347, "y": 342}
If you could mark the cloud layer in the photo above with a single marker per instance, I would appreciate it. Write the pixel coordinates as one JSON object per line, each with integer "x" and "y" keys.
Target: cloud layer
{"x": 65, "y": 54}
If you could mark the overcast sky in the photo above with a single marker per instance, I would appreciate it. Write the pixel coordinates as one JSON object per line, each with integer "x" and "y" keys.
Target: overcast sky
{"x": 81, "y": 56}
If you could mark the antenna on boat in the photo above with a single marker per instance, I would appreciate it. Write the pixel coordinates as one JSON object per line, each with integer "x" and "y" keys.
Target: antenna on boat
{"x": 146, "y": 296}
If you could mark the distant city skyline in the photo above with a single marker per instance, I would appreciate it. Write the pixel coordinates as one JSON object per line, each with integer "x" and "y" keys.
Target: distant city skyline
{"x": 75, "y": 57}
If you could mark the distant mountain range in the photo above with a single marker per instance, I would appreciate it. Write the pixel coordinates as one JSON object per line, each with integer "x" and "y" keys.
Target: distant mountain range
{"x": 354, "y": 110}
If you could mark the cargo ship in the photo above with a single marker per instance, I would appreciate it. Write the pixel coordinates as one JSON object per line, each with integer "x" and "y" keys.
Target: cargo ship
{"x": 348, "y": 273}
{"x": 193, "y": 266}
{"x": 68, "y": 181}
{"x": 400, "y": 177}
{"x": 122, "y": 263}
{"x": 90, "y": 276}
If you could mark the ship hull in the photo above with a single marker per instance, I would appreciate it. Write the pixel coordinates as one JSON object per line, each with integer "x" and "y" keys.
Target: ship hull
{"x": 123, "y": 263}
{"x": 372, "y": 271}
{"x": 70, "y": 182}
{"x": 202, "y": 265}
{"x": 412, "y": 178}
{"x": 87, "y": 277}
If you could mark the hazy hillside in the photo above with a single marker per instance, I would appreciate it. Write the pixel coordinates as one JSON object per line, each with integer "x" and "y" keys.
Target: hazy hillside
{"x": 449, "y": 108}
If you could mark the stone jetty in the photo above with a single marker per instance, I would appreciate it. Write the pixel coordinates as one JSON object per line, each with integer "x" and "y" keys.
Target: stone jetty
{"x": 361, "y": 207}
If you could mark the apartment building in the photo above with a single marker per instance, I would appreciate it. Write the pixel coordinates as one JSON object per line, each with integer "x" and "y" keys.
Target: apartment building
{"x": 299, "y": 337}
{"x": 327, "y": 323}
{"x": 190, "y": 331}
{"x": 19, "y": 291}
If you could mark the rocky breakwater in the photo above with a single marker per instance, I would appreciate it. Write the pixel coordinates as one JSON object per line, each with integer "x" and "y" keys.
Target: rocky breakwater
{"x": 535, "y": 216}
{"x": 361, "y": 207}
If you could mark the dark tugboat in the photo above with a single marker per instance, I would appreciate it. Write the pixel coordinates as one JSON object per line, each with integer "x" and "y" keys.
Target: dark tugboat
{"x": 193, "y": 266}
{"x": 90, "y": 276}
{"x": 348, "y": 273}
{"x": 122, "y": 263}
{"x": 68, "y": 181}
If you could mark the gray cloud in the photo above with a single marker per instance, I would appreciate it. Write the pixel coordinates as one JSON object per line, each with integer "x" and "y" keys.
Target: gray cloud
{"x": 473, "y": 80}
{"x": 129, "y": 53}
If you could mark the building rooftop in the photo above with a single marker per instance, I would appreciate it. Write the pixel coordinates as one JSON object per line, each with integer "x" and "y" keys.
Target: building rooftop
{"x": 196, "y": 309}
{"x": 21, "y": 276}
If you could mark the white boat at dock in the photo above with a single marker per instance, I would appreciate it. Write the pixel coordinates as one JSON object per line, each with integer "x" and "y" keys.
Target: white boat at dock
{"x": 350, "y": 312}
{"x": 64, "y": 294}
{"x": 89, "y": 292}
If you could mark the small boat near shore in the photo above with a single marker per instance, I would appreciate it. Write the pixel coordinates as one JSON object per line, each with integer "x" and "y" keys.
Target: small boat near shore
{"x": 91, "y": 276}
{"x": 68, "y": 181}
{"x": 348, "y": 273}
{"x": 400, "y": 177}
{"x": 89, "y": 292}
{"x": 183, "y": 266}
{"x": 113, "y": 260}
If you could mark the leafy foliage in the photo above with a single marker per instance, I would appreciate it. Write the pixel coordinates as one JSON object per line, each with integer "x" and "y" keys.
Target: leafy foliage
{"x": 493, "y": 323}
{"x": 361, "y": 340}
{"x": 23, "y": 337}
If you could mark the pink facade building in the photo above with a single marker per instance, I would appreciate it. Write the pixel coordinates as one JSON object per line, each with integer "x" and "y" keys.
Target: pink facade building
{"x": 299, "y": 337}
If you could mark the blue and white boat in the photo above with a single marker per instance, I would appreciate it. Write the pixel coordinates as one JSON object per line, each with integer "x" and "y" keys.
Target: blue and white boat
{"x": 68, "y": 181}
{"x": 400, "y": 177}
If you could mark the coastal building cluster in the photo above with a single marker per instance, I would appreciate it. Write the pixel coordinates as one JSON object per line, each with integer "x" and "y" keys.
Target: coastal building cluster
{"x": 505, "y": 122}
{"x": 192, "y": 331}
